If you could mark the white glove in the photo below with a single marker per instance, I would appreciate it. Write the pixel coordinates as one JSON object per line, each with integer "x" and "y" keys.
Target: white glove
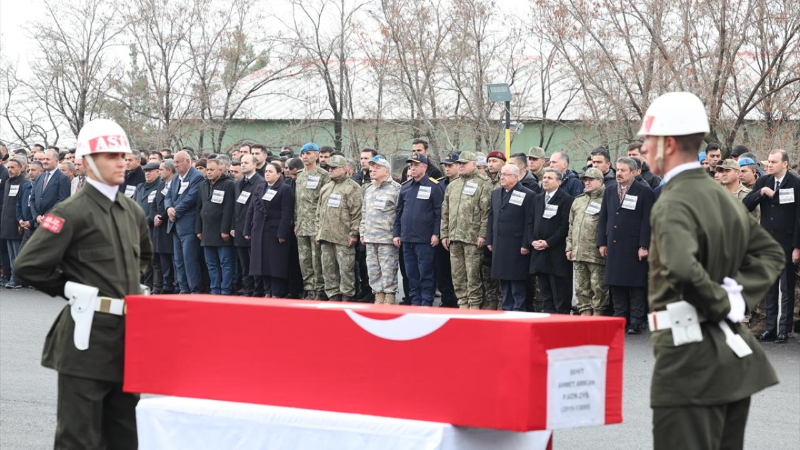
{"x": 734, "y": 291}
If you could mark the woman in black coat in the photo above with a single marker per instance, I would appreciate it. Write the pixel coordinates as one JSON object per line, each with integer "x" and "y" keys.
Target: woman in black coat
{"x": 267, "y": 225}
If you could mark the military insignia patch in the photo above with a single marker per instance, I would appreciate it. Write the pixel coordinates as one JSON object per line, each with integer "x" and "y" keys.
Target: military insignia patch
{"x": 52, "y": 223}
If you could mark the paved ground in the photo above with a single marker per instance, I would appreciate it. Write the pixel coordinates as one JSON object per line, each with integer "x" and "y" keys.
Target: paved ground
{"x": 28, "y": 391}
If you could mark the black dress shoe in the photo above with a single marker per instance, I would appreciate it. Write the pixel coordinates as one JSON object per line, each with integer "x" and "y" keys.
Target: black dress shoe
{"x": 766, "y": 336}
{"x": 782, "y": 338}
{"x": 634, "y": 329}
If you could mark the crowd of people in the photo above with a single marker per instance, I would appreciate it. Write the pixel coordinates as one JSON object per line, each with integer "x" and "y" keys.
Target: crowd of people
{"x": 483, "y": 231}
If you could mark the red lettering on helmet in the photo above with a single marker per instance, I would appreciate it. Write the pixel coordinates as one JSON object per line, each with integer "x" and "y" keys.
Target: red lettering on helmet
{"x": 648, "y": 122}
{"x": 108, "y": 143}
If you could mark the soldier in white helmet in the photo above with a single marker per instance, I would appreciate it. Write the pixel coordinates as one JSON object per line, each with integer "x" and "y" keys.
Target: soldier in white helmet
{"x": 709, "y": 261}
{"x": 91, "y": 249}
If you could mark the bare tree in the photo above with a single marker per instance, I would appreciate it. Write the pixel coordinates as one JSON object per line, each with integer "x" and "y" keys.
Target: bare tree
{"x": 159, "y": 29}
{"x": 232, "y": 65}
{"x": 73, "y": 71}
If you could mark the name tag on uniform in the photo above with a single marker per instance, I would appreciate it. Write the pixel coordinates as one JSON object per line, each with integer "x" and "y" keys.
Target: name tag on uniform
{"x": 424, "y": 192}
{"x": 129, "y": 191}
{"x": 335, "y": 200}
{"x": 517, "y": 198}
{"x": 182, "y": 187}
{"x": 164, "y": 191}
{"x": 12, "y": 190}
{"x": 786, "y": 196}
{"x": 470, "y": 188}
{"x": 312, "y": 182}
{"x": 380, "y": 203}
{"x": 243, "y": 197}
{"x": 217, "y": 196}
{"x": 151, "y": 197}
{"x": 629, "y": 202}
{"x": 268, "y": 196}
{"x": 550, "y": 211}
{"x": 593, "y": 208}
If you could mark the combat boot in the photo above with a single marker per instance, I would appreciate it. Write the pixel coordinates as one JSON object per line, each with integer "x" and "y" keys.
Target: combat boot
{"x": 471, "y": 306}
{"x": 388, "y": 298}
{"x": 321, "y": 295}
{"x": 379, "y": 296}
{"x": 335, "y": 298}
{"x": 346, "y": 298}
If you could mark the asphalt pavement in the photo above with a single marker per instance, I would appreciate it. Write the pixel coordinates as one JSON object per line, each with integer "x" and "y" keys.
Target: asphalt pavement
{"x": 28, "y": 390}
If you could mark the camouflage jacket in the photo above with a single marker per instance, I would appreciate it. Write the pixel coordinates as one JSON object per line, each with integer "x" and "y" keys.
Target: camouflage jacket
{"x": 741, "y": 193}
{"x": 465, "y": 210}
{"x": 378, "y": 211}
{"x": 309, "y": 185}
{"x": 583, "y": 218}
{"x": 339, "y": 211}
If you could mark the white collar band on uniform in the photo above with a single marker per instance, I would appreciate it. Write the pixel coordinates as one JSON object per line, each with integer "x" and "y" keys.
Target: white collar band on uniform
{"x": 681, "y": 168}
{"x": 108, "y": 191}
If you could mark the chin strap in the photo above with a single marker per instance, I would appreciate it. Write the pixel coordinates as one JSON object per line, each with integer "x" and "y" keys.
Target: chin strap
{"x": 89, "y": 160}
{"x": 660, "y": 154}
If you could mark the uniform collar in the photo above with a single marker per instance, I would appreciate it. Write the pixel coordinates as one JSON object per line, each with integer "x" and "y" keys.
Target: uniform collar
{"x": 681, "y": 168}
{"x": 108, "y": 191}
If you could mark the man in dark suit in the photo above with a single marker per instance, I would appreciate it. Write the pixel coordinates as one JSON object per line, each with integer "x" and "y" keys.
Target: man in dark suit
{"x": 145, "y": 197}
{"x": 181, "y": 205}
{"x": 548, "y": 237}
{"x": 777, "y": 194}
{"x": 134, "y": 174}
{"x": 51, "y": 187}
{"x": 244, "y": 190}
{"x": 509, "y": 217}
{"x": 163, "y": 245}
{"x": 623, "y": 238}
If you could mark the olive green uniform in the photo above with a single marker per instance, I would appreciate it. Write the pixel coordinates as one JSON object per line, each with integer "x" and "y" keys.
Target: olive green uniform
{"x": 589, "y": 266}
{"x": 701, "y": 391}
{"x": 491, "y": 286}
{"x": 309, "y": 185}
{"x": 106, "y": 245}
{"x": 339, "y": 217}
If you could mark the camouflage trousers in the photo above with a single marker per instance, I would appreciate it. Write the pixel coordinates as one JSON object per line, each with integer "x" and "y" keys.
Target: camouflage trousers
{"x": 534, "y": 303}
{"x": 383, "y": 260}
{"x": 310, "y": 255}
{"x": 757, "y": 318}
{"x": 492, "y": 298}
{"x": 338, "y": 269}
{"x": 465, "y": 265}
{"x": 590, "y": 289}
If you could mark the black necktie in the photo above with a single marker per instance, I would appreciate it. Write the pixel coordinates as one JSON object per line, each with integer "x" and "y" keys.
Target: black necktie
{"x": 777, "y": 185}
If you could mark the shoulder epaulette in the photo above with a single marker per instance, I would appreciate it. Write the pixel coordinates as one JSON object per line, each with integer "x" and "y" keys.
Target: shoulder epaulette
{"x": 440, "y": 179}
{"x": 433, "y": 180}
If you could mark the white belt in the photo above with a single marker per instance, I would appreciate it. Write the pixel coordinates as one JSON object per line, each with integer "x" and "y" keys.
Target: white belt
{"x": 109, "y": 305}
{"x": 660, "y": 320}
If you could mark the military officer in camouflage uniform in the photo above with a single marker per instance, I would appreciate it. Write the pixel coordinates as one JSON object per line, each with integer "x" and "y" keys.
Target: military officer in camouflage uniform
{"x": 339, "y": 217}
{"x": 730, "y": 174}
{"x": 582, "y": 248}
{"x": 91, "y": 249}
{"x": 709, "y": 260}
{"x": 309, "y": 184}
{"x": 377, "y": 221}
{"x": 536, "y": 163}
{"x": 492, "y": 297}
{"x": 465, "y": 212}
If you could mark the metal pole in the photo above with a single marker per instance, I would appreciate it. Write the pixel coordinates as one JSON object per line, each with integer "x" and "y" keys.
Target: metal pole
{"x": 508, "y": 131}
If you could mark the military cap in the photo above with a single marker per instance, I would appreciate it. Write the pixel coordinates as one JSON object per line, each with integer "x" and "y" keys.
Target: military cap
{"x": 728, "y": 164}
{"x": 337, "y": 161}
{"x": 310, "y": 147}
{"x": 451, "y": 158}
{"x": 746, "y": 162}
{"x": 466, "y": 157}
{"x": 592, "y": 172}
{"x": 151, "y": 166}
{"x": 496, "y": 154}
{"x": 536, "y": 152}
{"x": 418, "y": 158}
{"x": 380, "y": 161}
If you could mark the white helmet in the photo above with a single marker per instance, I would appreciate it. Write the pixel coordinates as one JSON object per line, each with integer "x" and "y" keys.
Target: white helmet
{"x": 675, "y": 114}
{"x": 102, "y": 136}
